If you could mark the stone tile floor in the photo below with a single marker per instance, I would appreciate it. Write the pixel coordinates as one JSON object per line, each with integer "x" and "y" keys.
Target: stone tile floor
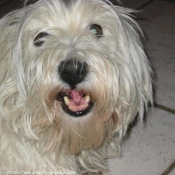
{"x": 149, "y": 149}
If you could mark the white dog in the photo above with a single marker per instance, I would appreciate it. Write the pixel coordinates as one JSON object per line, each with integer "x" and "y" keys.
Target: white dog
{"x": 73, "y": 76}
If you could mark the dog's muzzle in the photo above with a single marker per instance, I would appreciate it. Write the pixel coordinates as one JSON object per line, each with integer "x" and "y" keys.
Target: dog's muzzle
{"x": 75, "y": 103}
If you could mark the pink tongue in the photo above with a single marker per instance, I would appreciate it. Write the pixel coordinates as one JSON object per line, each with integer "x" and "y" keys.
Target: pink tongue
{"x": 77, "y": 102}
{"x": 76, "y": 96}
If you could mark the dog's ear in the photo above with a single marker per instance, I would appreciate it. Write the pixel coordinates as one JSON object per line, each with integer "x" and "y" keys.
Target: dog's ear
{"x": 12, "y": 18}
{"x": 135, "y": 82}
{"x": 8, "y": 90}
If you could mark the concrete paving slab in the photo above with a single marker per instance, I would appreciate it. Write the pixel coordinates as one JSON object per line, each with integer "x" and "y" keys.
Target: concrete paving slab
{"x": 150, "y": 149}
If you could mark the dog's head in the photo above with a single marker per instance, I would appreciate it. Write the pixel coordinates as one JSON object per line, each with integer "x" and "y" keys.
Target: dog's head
{"x": 77, "y": 72}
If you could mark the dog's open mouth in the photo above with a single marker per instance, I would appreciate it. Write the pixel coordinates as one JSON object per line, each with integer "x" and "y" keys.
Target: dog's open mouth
{"x": 75, "y": 103}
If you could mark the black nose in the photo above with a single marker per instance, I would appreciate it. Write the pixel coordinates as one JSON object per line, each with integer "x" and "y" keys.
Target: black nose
{"x": 73, "y": 71}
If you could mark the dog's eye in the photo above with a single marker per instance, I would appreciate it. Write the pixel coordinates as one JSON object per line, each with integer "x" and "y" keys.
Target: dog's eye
{"x": 40, "y": 39}
{"x": 96, "y": 29}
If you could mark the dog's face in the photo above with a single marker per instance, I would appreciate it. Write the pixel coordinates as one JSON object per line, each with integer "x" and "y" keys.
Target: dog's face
{"x": 79, "y": 72}
{"x": 75, "y": 46}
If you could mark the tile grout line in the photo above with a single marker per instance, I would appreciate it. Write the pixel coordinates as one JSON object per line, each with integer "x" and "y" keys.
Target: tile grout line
{"x": 169, "y": 169}
{"x": 144, "y": 5}
{"x": 165, "y": 108}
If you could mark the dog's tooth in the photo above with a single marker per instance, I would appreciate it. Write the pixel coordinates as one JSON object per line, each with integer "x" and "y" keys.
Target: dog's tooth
{"x": 66, "y": 100}
{"x": 87, "y": 98}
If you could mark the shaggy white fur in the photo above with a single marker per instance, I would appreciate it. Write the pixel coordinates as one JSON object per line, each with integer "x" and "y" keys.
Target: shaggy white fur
{"x": 73, "y": 76}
